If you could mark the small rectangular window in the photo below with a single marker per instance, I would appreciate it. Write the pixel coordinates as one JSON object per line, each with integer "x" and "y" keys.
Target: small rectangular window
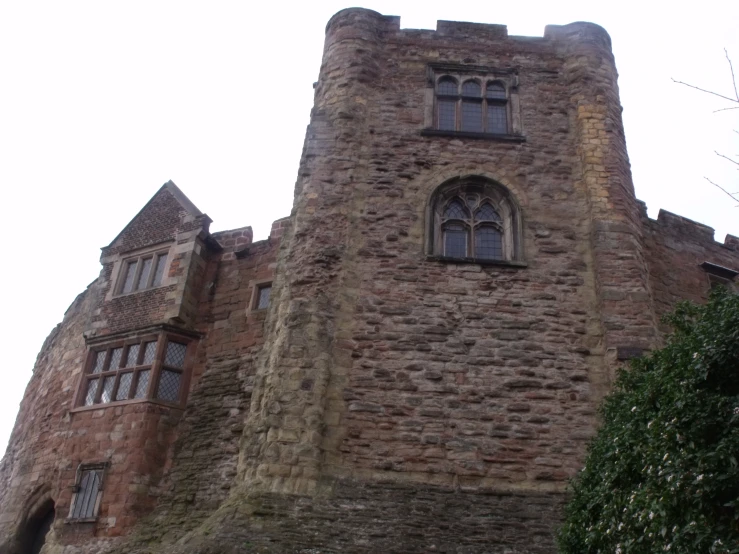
{"x": 263, "y": 294}
{"x": 88, "y": 492}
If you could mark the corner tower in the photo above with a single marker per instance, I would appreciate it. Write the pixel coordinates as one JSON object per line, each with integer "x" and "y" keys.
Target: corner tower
{"x": 464, "y": 263}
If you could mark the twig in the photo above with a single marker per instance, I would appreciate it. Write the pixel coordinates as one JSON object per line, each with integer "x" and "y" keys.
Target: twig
{"x": 706, "y": 91}
{"x": 734, "y": 198}
{"x": 726, "y": 158}
{"x": 733, "y": 79}
{"x": 724, "y": 109}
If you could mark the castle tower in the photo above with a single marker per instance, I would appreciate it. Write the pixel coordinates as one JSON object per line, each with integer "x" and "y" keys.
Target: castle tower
{"x": 412, "y": 362}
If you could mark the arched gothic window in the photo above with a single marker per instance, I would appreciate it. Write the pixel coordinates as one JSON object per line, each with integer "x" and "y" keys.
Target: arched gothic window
{"x": 474, "y": 219}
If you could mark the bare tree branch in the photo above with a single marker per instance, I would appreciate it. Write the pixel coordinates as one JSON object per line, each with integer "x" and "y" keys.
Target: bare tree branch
{"x": 706, "y": 91}
{"x": 726, "y": 158}
{"x": 733, "y": 79}
{"x": 733, "y": 197}
{"x": 724, "y": 109}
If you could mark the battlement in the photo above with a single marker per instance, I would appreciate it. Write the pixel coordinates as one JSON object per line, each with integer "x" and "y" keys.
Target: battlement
{"x": 369, "y": 20}
{"x": 691, "y": 231}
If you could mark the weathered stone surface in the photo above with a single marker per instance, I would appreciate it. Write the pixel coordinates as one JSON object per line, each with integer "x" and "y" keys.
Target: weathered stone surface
{"x": 388, "y": 400}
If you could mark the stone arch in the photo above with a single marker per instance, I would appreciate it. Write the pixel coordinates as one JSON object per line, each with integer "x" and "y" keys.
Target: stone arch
{"x": 37, "y": 520}
{"x": 480, "y": 190}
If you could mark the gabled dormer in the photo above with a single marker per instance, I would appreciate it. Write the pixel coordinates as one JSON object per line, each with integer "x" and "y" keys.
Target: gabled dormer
{"x": 151, "y": 269}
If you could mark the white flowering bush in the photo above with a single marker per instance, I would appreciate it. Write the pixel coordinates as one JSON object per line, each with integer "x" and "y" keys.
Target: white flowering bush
{"x": 662, "y": 473}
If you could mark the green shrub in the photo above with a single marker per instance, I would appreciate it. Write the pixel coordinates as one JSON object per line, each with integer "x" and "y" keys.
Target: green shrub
{"x": 661, "y": 475}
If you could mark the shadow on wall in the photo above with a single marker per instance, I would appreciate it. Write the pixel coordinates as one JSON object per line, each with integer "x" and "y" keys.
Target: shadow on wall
{"x": 32, "y": 536}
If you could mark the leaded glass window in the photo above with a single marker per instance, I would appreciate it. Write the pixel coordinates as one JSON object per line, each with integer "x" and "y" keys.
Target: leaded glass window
{"x": 474, "y": 220}
{"x": 99, "y": 361}
{"x": 468, "y": 109}
{"x": 486, "y": 212}
{"x": 175, "y": 356}
{"x": 124, "y": 372}
{"x": 471, "y": 88}
{"x": 142, "y": 385}
{"x": 107, "y": 394}
{"x": 455, "y": 240}
{"x": 129, "y": 278}
{"x": 115, "y": 358}
{"x": 496, "y": 91}
{"x": 92, "y": 389}
{"x": 497, "y": 119}
{"x": 169, "y": 385}
{"x": 447, "y": 87}
{"x": 472, "y": 116}
{"x": 488, "y": 243}
{"x": 150, "y": 351}
{"x": 263, "y": 294}
{"x": 447, "y": 115}
{"x": 124, "y": 386}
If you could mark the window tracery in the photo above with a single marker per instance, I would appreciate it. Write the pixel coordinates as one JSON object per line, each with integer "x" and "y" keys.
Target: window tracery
{"x": 475, "y": 220}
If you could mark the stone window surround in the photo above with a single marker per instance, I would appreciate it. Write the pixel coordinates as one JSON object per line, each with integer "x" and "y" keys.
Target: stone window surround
{"x": 719, "y": 275}
{"x": 502, "y": 200}
{"x": 507, "y": 77}
{"x": 81, "y": 469}
{"x": 120, "y": 263}
{"x": 161, "y": 334}
{"x": 257, "y": 286}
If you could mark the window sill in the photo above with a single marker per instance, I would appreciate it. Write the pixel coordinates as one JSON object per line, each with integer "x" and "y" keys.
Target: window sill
{"x": 101, "y": 406}
{"x": 500, "y": 263}
{"x": 468, "y": 134}
{"x": 72, "y": 521}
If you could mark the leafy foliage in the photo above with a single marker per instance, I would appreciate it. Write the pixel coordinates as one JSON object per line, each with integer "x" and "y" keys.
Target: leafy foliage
{"x": 662, "y": 475}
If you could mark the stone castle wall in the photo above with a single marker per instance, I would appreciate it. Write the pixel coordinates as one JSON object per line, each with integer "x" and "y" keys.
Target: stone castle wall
{"x": 388, "y": 400}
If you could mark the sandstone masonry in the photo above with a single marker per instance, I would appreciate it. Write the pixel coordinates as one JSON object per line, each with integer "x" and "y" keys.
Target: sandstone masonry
{"x": 354, "y": 383}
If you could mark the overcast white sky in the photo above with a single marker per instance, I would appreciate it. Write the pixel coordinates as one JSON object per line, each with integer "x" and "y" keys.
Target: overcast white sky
{"x": 103, "y": 102}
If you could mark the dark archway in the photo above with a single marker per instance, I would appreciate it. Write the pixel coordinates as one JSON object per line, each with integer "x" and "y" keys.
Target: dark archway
{"x": 33, "y": 536}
